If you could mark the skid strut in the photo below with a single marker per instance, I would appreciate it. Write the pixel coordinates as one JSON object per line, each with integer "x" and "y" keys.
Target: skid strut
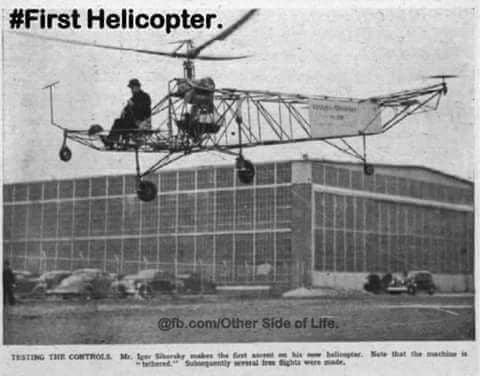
{"x": 245, "y": 168}
{"x": 65, "y": 153}
{"x": 368, "y": 169}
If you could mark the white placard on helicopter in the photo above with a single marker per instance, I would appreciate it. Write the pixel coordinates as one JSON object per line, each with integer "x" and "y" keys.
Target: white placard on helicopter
{"x": 335, "y": 118}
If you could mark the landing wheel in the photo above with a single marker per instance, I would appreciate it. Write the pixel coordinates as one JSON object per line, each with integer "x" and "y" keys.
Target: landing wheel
{"x": 245, "y": 170}
{"x": 65, "y": 153}
{"x": 146, "y": 190}
{"x": 368, "y": 169}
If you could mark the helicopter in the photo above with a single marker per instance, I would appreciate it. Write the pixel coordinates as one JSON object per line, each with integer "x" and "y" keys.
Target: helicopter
{"x": 197, "y": 116}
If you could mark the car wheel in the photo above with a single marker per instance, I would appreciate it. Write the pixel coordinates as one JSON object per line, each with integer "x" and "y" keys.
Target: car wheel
{"x": 411, "y": 290}
{"x": 431, "y": 290}
{"x": 87, "y": 293}
{"x": 145, "y": 292}
{"x": 120, "y": 292}
{"x": 39, "y": 291}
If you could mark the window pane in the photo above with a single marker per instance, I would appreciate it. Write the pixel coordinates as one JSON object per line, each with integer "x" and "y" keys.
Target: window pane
{"x": 131, "y": 251}
{"x": 166, "y": 249}
{"x": 206, "y": 178}
{"x": 35, "y": 221}
{"x": 115, "y": 185}
{"x": 244, "y": 257}
{"x": 349, "y": 252}
{"x": 284, "y": 173}
{"x": 265, "y": 174}
{"x": 205, "y": 211}
{"x": 19, "y": 221}
{"x": 205, "y": 250}
{"x": 186, "y": 212}
{"x": 65, "y": 219}
{"x": 167, "y": 213}
{"x": 99, "y": 186}
{"x": 344, "y": 178}
{"x": 225, "y": 177}
{"x": 50, "y": 219}
{"x": 186, "y": 180}
{"x": 66, "y": 189}
{"x": 50, "y": 190}
{"x": 35, "y": 191}
{"x": 82, "y": 220}
{"x": 168, "y": 181}
{"x": 318, "y": 173}
{"x": 331, "y": 176}
{"x": 329, "y": 251}
{"x": 97, "y": 217}
{"x": 82, "y": 188}
{"x": 244, "y": 209}
{"x": 339, "y": 212}
{"x": 149, "y": 251}
{"x": 224, "y": 210}
{"x": 21, "y": 192}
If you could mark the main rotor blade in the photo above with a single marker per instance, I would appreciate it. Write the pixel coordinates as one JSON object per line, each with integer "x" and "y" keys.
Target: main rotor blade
{"x": 174, "y": 54}
{"x": 219, "y": 58}
{"x": 98, "y": 45}
{"x": 442, "y": 76}
{"x": 224, "y": 34}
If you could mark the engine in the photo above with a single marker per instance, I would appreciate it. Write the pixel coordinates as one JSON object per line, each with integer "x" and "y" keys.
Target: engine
{"x": 200, "y": 116}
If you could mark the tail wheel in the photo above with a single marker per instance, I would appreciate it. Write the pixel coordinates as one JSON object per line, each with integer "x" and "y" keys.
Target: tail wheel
{"x": 146, "y": 191}
{"x": 65, "y": 154}
{"x": 368, "y": 169}
{"x": 245, "y": 170}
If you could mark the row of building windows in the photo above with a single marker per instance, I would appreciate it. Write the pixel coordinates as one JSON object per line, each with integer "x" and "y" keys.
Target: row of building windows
{"x": 354, "y": 234}
{"x": 394, "y": 185}
{"x": 347, "y": 251}
{"x": 259, "y": 208}
{"x": 234, "y": 255}
{"x": 267, "y": 174}
{"x": 334, "y": 211}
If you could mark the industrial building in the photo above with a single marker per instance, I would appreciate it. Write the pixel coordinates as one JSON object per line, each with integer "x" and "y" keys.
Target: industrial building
{"x": 313, "y": 222}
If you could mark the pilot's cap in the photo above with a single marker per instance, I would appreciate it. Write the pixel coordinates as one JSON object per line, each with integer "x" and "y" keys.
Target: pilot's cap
{"x": 133, "y": 82}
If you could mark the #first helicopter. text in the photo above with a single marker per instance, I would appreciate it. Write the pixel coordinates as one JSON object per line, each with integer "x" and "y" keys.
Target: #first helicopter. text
{"x": 122, "y": 19}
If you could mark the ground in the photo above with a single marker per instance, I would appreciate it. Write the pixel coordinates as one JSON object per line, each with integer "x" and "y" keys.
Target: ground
{"x": 354, "y": 318}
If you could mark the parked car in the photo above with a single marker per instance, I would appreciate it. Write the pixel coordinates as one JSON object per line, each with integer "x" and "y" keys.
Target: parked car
{"x": 26, "y": 283}
{"x": 85, "y": 283}
{"x": 397, "y": 285}
{"x": 145, "y": 283}
{"x": 414, "y": 281}
{"x": 421, "y": 280}
{"x": 373, "y": 284}
{"x": 194, "y": 283}
{"x": 53, "y": 278}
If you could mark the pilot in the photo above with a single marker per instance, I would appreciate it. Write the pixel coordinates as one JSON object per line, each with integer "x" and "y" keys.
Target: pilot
{"x": 135, "y": 115}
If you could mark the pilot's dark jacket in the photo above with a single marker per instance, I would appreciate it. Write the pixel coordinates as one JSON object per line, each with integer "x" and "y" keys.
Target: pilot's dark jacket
{"x": 8, "y": 282}
{"x": 132, "y": 114}
{"x": 141, "y": 105}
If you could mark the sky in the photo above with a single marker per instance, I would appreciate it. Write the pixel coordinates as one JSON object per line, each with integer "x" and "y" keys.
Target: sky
{"x": 338, "y": 52}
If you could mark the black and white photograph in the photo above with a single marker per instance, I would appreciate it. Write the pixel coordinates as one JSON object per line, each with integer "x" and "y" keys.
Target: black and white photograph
{"x": 212, "y": 175}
